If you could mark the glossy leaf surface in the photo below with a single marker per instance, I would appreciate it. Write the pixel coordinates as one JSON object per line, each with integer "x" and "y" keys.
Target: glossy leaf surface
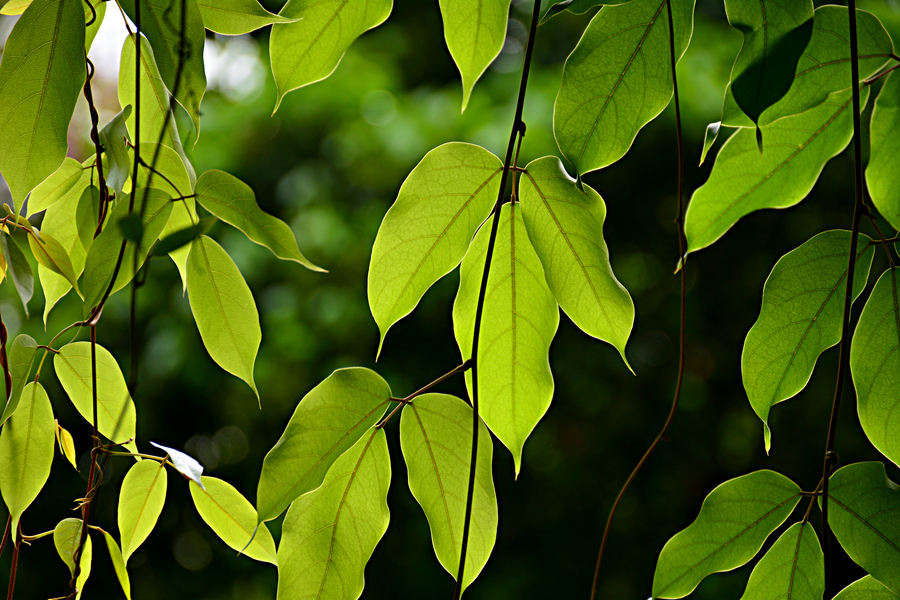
{"x": 20, "y": 358}
{"x": 793, "y": 568}
{"x": 236, "y": 17}
{"x": 141, "y": 501}
{"x": 883, "y": 170}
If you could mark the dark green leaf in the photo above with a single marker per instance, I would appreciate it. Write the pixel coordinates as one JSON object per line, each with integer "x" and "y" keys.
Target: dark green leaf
{"x": 182, "y": 237}
{"x": 131, "y": 227}
{"x": 577, "y": 7}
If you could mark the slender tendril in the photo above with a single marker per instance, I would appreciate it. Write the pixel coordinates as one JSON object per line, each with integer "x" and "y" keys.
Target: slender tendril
{"x": 460, "y": 369}
{"x": 5, "y": 534}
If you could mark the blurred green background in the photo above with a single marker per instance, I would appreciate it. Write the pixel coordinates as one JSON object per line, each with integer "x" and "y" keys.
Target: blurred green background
{"x": 330, "y": 163}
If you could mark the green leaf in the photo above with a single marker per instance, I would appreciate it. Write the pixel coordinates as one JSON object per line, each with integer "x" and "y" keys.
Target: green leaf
{"x": 67, "y": 539}
{"x": 61, "y": 220}
{"x": 21, "y": 358}
{"x": 236, "y": 17}
{"x": 100, "y": 263}
{"x": 775, "y": 35}
{"x": 117, "y": 166}
{"x": 87, "y": 215}
{"x": 19, "y": 269}
{"x": 862, "y": 511}
{"x": 115, "y": 409}
{"x": 130, "y": 227}
{"x": 329, "y": 534}
{"x": 56, "y": 186}
{"x": 46, "y": 45}
{"x": 185, "y": 464}
{"x": 709, "y": 138}
{"x": 26, "y": 451}
{"x": 233, "y": 518}
{"x": 565, "y": 226}
{"x": 883, "y": 170}
{"x": 182, "y": 237}
{"x": 232, "y": 201}
{"x": 426, "y": 232}
{"x": 92, "y": 29}
{"x": 867, "y": 588}
{"x": 330, "y": 419}
{"x": 875, "y": 365}
{"x": 734, "y": 521}
{"x": 51, "y": 254}
{"x": 118, "y": 562}
{"x": 14, "y": 7}
{"x": 793, "y": 568}
{"x": 66, "y": 445}
{"x": 617, "y": 80}
{"x": 161, "y": 23}
{"x": 184, "y": 215}
{"x": 577, "y": 7}
{"x": 520, "y": 319}
{"x": 436, "y": 439}
{"x": 475, "y": 31}
{"x": 742, "y": 181}
{"x": 310, "y": 49}
{"x": 224, "y": 309}
{"x": 141, "y": 500}
{"x": 801, "y": 317}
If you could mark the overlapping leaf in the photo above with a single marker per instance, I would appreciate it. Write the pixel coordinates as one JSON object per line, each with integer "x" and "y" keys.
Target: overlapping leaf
{"x": 436, "y": 439}
{"x": 19, "y": 269}
{"x": 801, "y": 317}
{"x": 793, "y": 568}
{"x": 56, "y": 186}
{"x": 326, "y": 423}
{"x": 883, "y": 170}
{"x": 565, "y": 227}
{"x": 867, "y": 588}
{"x": 21, "y": 357}
{"x": 520, "y": 319}
{"x": 41, "y": 75}
{"x": 577, "y": 7}
{"x": 51, "y": 255}
{"x": 310, "y": 49}
{"x": 61, "y": 221}
{"x": 67, "y": 539}
{"x": 426, "y": 232}
{"x": 734, "y": 521}
{"x": 236, "y": 17}
{"x": 141, "y": 501}
{"x": 117, "y": 166}
{"x": 329, "y": 534}
{"x": 618, "y": 79}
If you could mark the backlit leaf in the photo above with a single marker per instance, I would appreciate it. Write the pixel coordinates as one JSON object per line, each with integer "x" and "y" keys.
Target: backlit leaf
{"x": 117, "y": 165}
{"x": 236, "y": 17}
{"x": 184, "y": 215}
{"x": 883, "y": 170}
{"x": 19, "y": 269}
{"x": 21, "y": 357}
{"x": 326, "y": 423}
{"x": 436, "y": 439}
{"x": 801, "y": 317}
{"x": 734, "y": 522}
{"x": 141, "y": 500}
{"x": 875, "y": 364}
{"x": 61, "y": 222}
{"x": 565, "y": 226}
{"x": 66, "y": 445}
{"x": 67, "y": 539}
{"x": 577, "y": 7}
{"x": 56, "y": 186}
{"x": 793, "y": 568}
{"x": 867, "y": 588}
{"x": 329, "y": 534}
{"x": 51, "y": 254}
{"x": 115, "y": 554}
{"x": 426, "y": 232}
{"x": 519, "y": 321}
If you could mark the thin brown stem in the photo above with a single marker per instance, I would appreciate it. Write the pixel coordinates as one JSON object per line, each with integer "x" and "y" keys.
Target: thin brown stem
{"x": 401, "y": 401}
{"x": 5, "y": 534}
{"x": 98, "y": 149}
{"x": 15, "y": 564}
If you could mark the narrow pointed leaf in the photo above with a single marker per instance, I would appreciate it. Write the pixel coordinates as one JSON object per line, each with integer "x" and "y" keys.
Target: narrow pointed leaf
{"x": 475, "y": 31}
{"x": 224, "y": 309}
{"x": 66, "y": 445}
{"x": 19, "y": 269}
{"x": 310, "y": 49}
{"x": 426, "y": 232}
{"x": 742, "y": 181}
{"x": 41, "y": 75}
{"x": 51, "y": 254}
{"x": 617, "y": 80}
{"x": 67, "y": 539}
{"x": 436, "y": 439}
{"x": 867, "y": 588}
{"x": 801, "y": 317}
{"x": 26, "y": 451}
{"x": 329, "y": 534}
{"x": 734, "y": 522}
{"x": 141, "y": 500}
{"x": 520, "y": 320}
{"x": 56, "y": 186}
{"x": 117, "y": 164}
{"x": 875, "y": 365}
{"x": 326, "y": 423}
{"x": 565, "y": 226}
{"x": 233, "y": 518}
{"x": 862, "y": 511}
{"x": 232, "y": 201}
{"x": 115, "y": 554}
{"x": 883, "y": 170}
{"x": 183, "y": 463}
{"x": 793, "y": 568}
{"x": 237, "y": 17}
{"x": 115, "y": 409}
{"x": 709, "y": 138}
{"x": 21, "y": 358}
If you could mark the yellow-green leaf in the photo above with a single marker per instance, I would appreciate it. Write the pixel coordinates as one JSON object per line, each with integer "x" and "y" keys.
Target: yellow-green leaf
{"x": 67, "y": 539}
{"x": 21, "y": 357}
{"x": 141, "y": 500}
{"x": 237, "y": 17}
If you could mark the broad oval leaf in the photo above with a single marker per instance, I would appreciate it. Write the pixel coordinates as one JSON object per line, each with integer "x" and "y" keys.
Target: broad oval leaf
{"x": 867, "y": 588}
{"x": 46, "y": 45}
{"x": 862, "y": 511}
{"x": 67, "y": 539}
{"x": 61, "y": 220}
{"x": 51, "y": 254}
{"x": 520, "y": 318}
{"x": 801, "y": 317}
{"x": 233, "y": 518}
{"x": 734, "y": 521}
{"x": 743, "y": 181}
{"x": 237, "y": 17}
{"x": 426, "y": 232}
{"x": 21, "y": 358}
{"x": 326, "y": 423}
{"x": 26, "y": 451}
{"x": 329, "y": 534}
{"x": 310, "y": 49}
{"x": 475, "y": 31}
{"x": 115, "y": 409}
{"x": 618, "y": 79}
{"x": 223, "y": 308}
{"x": 883, "y": 170}
{"x": 115, "y": 555}
{"x": 113, "y": 137}
{"x": 565, "y": 226}
{"x": 141, "y": 500}
{"x": 19, "y": 269}
{"x": 55, "y": 187}
{"x": 793, "y": 568}
{"x": 875, "y": 365}
{"x": 232, "y": 201}
{"x": 436, "y": 439}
